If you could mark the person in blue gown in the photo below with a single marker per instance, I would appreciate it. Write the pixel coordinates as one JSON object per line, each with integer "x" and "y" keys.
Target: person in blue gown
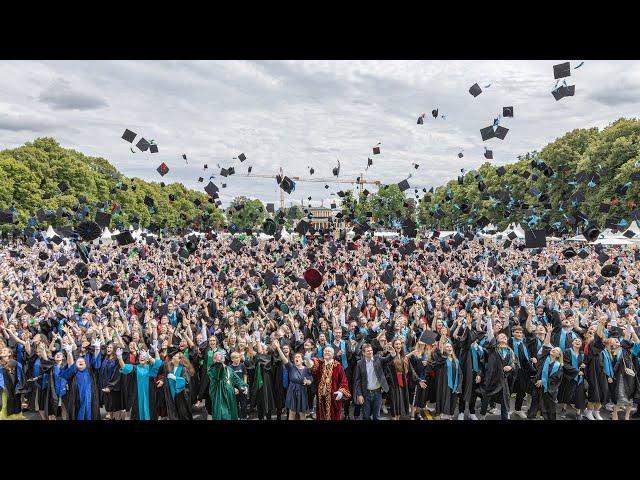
{"x": 142, "y": 392}
{"x": 84, "y": 399}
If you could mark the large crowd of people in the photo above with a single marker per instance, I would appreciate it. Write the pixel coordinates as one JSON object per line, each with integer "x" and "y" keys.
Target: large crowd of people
{"x": 451, "y": 330}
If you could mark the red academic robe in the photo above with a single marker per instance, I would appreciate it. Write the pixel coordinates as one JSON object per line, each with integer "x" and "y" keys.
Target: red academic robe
{"x": 329, "y": 380}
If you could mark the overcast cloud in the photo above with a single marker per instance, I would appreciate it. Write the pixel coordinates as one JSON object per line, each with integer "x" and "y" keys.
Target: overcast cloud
{"x": 295, "y": 114}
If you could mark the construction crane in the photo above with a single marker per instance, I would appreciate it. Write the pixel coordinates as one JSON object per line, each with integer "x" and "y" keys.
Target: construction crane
{"x": 360, "y": 181}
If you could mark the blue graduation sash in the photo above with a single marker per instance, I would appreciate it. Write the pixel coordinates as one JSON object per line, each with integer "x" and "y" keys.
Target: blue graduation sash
{"x": 575, "y": 363}
{"x": 453, "y": 385}
{"x": 545, "y": 372}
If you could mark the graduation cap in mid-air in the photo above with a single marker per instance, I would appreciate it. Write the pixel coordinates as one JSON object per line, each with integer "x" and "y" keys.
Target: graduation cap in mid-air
{"x": 376, "y": 149}
{"x": 475, "y": 90}
{"x": 488, "y": 154}
{"x": 143, "y": 145}
{"x": 128, "y": 135}
{"x": 563, "y": 91}
{"x": 404, "y": 185}
{"x": 487, "y": 133}
{"x": 501, "y": 132}
{"x": 163, "y": 169}
{"x": 507, "y": 111}
{"x": 287, "y": 185}
{"x": 562, "y": 70}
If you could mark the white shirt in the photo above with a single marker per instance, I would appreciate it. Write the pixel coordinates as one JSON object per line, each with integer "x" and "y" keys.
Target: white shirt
{"x": 372, "y": 379}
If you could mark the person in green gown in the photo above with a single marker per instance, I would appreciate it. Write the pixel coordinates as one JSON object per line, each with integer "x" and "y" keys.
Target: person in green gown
{"x": 222, "y": 382}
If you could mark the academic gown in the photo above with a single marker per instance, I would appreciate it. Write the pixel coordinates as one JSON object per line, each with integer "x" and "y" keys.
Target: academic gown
{"x": 206, "y": 360}
{"x": 261, "y": 392}
{"x": 84, "y": 397}
{"x": 522, "y": 380}
{"x": 418, "y": 366}
{"x": 447, "y": 389}
{"x": 598, "y": 388}
{"x": 142, "y": 390}
{"x": 37, "y": 387}
{"x": 398, "y": 394}
{"x": 57, "y": 388}
{"x": 554, "y": 378}
{"x": 109, "y": 376}
{"x": 332, "y": 380}
{"x": 495, "y": 380}
{"x": 279, "y": 392}
{"x": 177, "y": 393}
{"x": 466, "y": 357}
{"x": 573, "y": 388}
{"x": 222, "y": 381}
{"x": 10, "y": 404}
{"x": 624, "y": 388}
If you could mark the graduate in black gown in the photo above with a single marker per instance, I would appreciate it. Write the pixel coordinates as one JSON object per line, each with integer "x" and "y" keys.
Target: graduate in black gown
{"x": 56, "y": 397}
{"x": 619, "y": 368}
{"x": 498, "y": 371}
{"x": 572, "y": 389}
{"x": 176, "y": 388}
{"x": 10, "y": 406}
{"x": 550, "y": 371}
{"x": 84, "y": 397}
{"x": 598, "y": 388}
{"x": 261, "y": 393}
{"x": 110, "y": 384}
{"x": 449, "y": 376}
{"x": 418, "y": 365}
{"x": 522, "y": 382}
{"x": 471, "y": 356}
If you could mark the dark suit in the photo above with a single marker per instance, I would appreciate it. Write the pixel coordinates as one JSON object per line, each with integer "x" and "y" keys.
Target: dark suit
{"x": 372, "y": 400}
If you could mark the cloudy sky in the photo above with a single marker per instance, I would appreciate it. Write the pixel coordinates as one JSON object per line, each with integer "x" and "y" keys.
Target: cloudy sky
{"x": 299, "y": 114}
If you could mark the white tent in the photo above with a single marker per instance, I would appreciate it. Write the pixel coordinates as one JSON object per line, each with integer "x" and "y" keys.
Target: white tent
{"x": 137, "y": 233}
{"x": 613, "y": 241}
{"x": 386, "y": 234}
{"x": 50, "y": 232}
{"x": 284, "y": 234}
{"x": 264, "y": 236}
{"x": 446, "y": 233}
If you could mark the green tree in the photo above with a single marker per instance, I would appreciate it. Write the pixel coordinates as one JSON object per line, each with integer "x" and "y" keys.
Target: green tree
{"x": 246, "y": 213}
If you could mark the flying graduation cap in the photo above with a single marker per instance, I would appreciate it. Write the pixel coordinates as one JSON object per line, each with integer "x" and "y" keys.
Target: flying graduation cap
{"x": 336, "y": 170}
{"x": 562, "y": 70}
{"x": 163, "y": 169}
{"x": 475, "y": 90}
{"x": 376, "y": 149}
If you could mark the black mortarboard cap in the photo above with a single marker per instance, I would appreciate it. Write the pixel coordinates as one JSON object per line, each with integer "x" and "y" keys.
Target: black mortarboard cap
{"x": 153, "y": 148}
{"x": 428, "y": 337}
{"x": 88, "y": 231}
{"x": 242, "y": 157}
{"x": 143, "y": 145}
{"x": 507, "y": 111}
{"x": 488, "y": 154}
{"x": 63, "y": 186}
{"x": 535, "y": 238}
{"x": 487, "y": 133}
{"x": 128, "y": 135}
{"x": 403, "y": 185}
{"x": 211, "y": 189}
{"x": 124, "y": 238}
{"x": 501, "y": 132}
{"x": 475, "y": 90}
{"x": 236, "y": 245}
{"x": 583, "y": 253}
{"x": 500, "y": 171}
{"x": 62, "y": 292}
{"x": 103, "y": 219}
{"x": 562, "y": 70}
{"x": 303, "y": 227}
{"x": 287, "y": 185}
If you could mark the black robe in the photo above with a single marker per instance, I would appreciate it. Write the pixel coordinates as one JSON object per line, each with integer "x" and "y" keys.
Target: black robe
{"x": 178, "y": 407}
{"x": 262, "y": 397}
{"x": 13, "y": 405}
{"x": 598, "y": 388}
{"x": 624, "y": 384}
{"x": 464, "y": 343}
{"x": 573, "y": 389}
{"x": 446, "y": 398}
{"x": 112, "y": 401}
{"x": 495, "y": 381}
